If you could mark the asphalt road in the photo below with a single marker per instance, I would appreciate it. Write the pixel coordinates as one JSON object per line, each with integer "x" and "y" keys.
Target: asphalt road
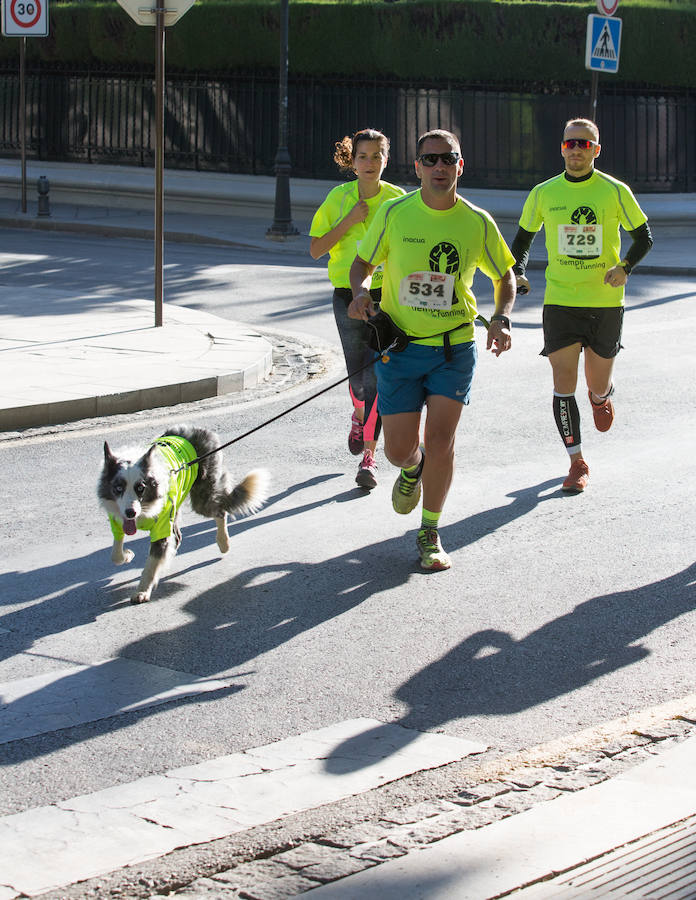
{"x": 560, "y": 612}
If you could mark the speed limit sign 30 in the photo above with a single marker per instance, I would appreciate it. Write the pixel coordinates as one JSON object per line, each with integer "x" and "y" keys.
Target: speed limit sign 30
{"x": 24, "y": 18}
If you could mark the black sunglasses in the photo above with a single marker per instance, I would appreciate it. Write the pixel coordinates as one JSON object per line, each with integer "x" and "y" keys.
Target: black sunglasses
{"x": 582, "y": 143}
{"x": 430, "y": 159}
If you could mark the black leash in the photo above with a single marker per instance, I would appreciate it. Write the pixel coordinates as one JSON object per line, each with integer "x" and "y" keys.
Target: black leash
{"x": 281, "y": 414}
{"x": 286, "y": 412}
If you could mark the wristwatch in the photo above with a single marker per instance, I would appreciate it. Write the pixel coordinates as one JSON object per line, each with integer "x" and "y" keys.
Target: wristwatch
{"x": 504, "y": 319}
{"x": 626, "y": 266}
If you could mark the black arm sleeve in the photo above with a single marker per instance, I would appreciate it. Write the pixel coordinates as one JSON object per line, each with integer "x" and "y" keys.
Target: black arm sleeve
{"x": 642, "y": 242}
{"x": 520, "y": 249}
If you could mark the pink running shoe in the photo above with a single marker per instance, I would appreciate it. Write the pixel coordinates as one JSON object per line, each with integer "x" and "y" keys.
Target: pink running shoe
{"x": 367, "y": 472}
{"x": 356, "y": 442}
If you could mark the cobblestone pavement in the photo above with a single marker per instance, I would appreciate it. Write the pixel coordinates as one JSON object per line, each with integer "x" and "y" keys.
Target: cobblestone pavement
{"x": 291, "y": 857}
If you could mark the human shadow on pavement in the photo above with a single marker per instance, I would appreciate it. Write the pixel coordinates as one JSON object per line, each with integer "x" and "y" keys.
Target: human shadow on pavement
{"x": 66, "y": 595}
{"x": 268, "y": 605}
{"x": 490, "y": 673}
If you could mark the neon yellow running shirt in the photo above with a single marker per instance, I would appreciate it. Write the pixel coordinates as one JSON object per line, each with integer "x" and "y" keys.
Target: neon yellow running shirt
{"x": 413, "y": 239}
{"x": 176, "y": 451}
{"x": 339, "y": 202}
{"x": 581, "y": 220}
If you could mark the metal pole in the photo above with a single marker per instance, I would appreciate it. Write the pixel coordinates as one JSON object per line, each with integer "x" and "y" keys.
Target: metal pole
{"x": 282, "y": 227}
{"x": 23, "y": 119}
{"x": 593, "y": 96}
{"x": 159, "y": 166}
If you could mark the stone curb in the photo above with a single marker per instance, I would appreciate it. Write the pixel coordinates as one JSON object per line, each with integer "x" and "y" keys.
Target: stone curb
{"x": 129, "y": 231}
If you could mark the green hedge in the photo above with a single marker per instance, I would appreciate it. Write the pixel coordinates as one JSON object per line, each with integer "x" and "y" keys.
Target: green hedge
{"x": 468, "y": 40}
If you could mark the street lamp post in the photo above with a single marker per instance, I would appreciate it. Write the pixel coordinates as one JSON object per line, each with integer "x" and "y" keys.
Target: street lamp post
{"x": 282, "y": 227}
{"x": 159, "y": 165}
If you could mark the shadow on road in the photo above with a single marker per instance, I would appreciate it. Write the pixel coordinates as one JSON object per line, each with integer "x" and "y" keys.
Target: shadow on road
{"x": 491, "y": 673}
{"x": 488, "y": 673}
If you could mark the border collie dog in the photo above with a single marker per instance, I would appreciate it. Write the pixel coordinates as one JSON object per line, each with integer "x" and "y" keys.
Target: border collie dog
{"x": 145, "y": 490}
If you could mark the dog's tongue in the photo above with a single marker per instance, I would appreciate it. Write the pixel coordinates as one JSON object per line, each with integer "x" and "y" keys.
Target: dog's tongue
{"x": 129, "y": 526}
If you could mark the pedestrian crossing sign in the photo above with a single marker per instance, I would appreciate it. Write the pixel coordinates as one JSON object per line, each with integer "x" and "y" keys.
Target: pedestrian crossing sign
{"x": 603, "y": 44}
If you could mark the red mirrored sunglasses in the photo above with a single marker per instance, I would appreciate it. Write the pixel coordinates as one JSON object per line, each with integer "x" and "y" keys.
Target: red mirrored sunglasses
{"x": 581, "y": 143}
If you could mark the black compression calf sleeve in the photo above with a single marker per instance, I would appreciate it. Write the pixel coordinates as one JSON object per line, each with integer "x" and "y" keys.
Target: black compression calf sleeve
{"x": 567, "y": 416}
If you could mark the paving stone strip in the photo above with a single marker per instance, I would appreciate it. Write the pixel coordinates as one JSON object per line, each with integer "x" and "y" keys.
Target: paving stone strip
{"x": 291, "y": 858}
{"x": 347, "y": 851}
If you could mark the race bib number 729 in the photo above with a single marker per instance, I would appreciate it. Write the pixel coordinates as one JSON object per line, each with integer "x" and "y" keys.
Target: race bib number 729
{"x": 580, "y": 240}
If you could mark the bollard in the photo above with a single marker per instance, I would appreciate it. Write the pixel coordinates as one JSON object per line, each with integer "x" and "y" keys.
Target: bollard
{"x": 42, "y": 188}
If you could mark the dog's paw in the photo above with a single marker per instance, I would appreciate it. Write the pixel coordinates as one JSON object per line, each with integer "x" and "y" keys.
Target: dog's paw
{"x": 140, "y": 597}
{"x": 121, "y": 559}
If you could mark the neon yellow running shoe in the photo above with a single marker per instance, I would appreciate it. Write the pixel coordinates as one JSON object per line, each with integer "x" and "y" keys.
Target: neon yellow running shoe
{"x": 406, "y": 491}
{"x": 432, "y": 556}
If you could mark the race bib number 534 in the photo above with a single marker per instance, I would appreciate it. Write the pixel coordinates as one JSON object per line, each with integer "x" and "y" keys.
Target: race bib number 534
{"x": 427, "y": 290}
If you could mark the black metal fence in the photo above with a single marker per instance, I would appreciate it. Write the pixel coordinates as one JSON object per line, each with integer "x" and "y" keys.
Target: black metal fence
{"x": 510, "y": 138}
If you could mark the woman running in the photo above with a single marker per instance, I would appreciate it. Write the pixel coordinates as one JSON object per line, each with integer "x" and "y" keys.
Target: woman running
{"x": 338, "y": 226}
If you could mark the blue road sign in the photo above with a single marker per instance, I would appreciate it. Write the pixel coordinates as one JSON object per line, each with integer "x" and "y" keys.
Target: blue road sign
{"x": 603, "y": 44}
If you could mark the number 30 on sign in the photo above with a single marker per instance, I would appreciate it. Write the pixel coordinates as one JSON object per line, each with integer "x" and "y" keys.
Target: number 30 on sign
{"x": 25, "y": 18}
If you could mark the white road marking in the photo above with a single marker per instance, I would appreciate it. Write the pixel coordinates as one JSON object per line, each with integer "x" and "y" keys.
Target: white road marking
{"x": 54, "y": 846}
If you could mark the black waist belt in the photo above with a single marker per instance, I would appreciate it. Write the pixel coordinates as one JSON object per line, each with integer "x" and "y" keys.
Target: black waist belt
{"x": 385, "y": 334}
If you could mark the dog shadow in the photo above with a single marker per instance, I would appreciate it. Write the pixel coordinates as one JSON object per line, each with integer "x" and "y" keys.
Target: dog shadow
{"x": 36, "y": 617}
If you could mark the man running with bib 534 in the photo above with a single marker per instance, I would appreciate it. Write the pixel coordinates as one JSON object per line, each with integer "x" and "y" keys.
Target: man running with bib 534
{"x": 581, "y": 211}
{"x": 431, "y": 242}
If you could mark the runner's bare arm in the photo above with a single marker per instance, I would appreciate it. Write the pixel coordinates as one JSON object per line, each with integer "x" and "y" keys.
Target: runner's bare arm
{"x": 362, "y": 306}
{"x": 499, "y": 338}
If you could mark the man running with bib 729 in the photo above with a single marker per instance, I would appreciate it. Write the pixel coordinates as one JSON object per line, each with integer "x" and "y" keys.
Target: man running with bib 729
{"x": 581, "y": 211}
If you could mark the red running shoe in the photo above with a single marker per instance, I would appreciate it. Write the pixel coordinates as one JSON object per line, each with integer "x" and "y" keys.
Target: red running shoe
{"x": 603, "y": 412}
{"x": 578, "y": 477}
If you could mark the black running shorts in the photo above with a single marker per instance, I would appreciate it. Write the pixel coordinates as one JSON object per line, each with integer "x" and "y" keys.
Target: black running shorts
{"x": 598, "y": 328}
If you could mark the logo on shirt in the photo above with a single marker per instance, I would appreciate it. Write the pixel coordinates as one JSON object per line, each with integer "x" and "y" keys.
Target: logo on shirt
{"x": 444, "y": 258}
{"x": 583, "y": 215}
{"x": 408, "y": 240}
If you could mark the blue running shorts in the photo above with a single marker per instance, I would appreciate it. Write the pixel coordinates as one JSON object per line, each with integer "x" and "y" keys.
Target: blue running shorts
{"x": 405, "y": 382}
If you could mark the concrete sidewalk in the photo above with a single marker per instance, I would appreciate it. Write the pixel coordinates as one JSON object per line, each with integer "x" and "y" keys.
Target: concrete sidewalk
{"x": 238, "y": 210}
{"x": 59, "y": 368}
{"x": 52, "y": 367}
